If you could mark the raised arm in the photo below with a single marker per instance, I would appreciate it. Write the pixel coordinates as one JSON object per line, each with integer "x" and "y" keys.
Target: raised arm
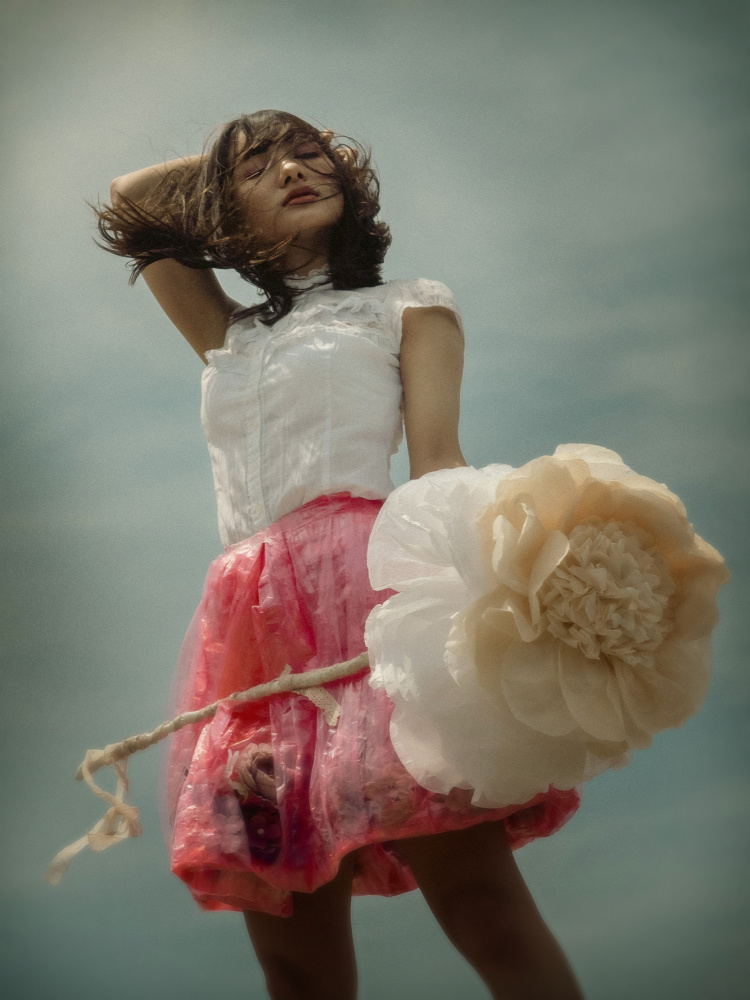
{"x": 192, "y": 298}
{"x": 431, "y": 368}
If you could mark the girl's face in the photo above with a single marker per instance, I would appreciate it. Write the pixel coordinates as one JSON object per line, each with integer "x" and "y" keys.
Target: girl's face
{"x": 290, "y": 189}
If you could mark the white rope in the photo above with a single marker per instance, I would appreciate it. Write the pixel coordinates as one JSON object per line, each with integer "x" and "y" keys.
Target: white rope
{"x": 122, "y": 819}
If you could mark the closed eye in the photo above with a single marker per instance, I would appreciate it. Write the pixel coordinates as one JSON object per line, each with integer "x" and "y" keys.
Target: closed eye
{"x": 256, "y": 161}
{"x": 307, "y": 151}
{"x": 254, "y": 167}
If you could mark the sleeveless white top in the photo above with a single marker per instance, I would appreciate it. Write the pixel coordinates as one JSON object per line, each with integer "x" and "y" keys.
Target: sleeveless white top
{"x": 311, "y": 405}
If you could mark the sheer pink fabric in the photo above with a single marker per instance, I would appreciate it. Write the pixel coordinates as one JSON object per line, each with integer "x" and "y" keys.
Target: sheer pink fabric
{"x": 266, "y": 798}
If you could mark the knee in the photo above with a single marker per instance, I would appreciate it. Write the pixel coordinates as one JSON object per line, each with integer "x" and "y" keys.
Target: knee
{"x": 288, "y": 978}
{"x": 285, "y": 978}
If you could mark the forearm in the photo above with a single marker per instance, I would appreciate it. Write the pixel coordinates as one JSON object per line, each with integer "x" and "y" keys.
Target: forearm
{"x": 138, "y": 184}
{"x": 146, "y": 217}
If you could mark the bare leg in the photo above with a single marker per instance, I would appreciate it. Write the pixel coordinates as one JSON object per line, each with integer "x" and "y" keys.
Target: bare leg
{"x": 310, "y": 955}
{"x": 472, "y": 884}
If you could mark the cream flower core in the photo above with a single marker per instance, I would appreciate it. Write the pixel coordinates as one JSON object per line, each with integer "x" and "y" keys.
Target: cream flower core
{"x": 609, "y": 595}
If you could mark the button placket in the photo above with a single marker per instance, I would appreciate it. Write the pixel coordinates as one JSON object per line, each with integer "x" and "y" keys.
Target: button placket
{"x": 255, "y": 491}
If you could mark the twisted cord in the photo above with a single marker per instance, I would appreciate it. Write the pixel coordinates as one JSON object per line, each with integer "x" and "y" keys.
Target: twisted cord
{"x": 121, "y": 820}
{"x": 286, "y": 681}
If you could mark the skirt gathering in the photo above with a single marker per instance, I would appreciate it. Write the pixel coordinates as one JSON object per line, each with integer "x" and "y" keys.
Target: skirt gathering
{"x": 266, "y": 798}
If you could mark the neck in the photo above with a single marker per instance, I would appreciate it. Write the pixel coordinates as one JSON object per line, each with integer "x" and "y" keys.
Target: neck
{"x": 300, "y": 260}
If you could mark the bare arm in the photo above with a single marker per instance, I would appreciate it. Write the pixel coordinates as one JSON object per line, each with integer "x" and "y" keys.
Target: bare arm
{"x": 193, "y": 299}
{"x": 137, "y": 184}
{"x": 431, "y": 370}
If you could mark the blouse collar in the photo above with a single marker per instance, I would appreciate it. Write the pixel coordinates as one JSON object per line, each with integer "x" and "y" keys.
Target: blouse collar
{"x": 303, "y": 283}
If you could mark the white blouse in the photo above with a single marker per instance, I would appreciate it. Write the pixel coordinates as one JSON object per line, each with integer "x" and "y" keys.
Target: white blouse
{"x": 311, "y": 405}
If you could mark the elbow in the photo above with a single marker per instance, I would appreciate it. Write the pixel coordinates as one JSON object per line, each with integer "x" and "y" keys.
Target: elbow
{"x": 115, "y": 190}
{"x": 124, "y": 187}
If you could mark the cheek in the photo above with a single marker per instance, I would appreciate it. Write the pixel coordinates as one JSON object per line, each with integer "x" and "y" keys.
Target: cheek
{"x": 256, "y": 204}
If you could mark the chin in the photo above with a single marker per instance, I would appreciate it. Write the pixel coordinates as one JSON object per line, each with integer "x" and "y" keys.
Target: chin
{"x": 316, "y": 226}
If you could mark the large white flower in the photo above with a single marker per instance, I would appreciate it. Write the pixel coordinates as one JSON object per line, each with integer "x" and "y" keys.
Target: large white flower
{"x": 548, "y": 620}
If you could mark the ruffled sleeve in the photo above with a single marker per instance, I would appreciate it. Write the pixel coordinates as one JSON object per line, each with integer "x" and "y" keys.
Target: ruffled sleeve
{"x": 415, "y": 293}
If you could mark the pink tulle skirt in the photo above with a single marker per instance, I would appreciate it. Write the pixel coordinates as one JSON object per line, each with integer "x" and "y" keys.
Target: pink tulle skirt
{"x": 265, "y": 799}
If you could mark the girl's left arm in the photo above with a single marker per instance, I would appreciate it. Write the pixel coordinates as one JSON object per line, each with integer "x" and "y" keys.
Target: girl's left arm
{"x": 432, "y": 354}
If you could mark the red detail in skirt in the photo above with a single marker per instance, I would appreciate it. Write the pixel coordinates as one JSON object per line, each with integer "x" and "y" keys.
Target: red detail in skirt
{"x": 266, "y": 798}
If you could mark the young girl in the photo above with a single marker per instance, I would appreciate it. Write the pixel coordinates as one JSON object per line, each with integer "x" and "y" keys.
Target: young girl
{"x": 278, "y": 809}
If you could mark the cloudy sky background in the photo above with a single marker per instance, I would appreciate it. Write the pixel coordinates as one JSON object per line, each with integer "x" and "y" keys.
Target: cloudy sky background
{"x": 574, "y": 172}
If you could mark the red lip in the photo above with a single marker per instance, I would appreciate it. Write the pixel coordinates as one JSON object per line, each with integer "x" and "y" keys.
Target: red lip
{"x": 300, "y": 192}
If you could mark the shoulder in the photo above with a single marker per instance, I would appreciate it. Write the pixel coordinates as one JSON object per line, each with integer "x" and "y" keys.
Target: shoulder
{"x": 417, "y": 293}
{"x": 420, "y": 291}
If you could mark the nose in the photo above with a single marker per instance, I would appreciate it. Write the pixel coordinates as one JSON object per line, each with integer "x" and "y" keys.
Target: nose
{"x": 290, "y": 170}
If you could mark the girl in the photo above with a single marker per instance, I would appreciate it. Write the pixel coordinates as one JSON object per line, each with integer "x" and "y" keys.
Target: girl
{"x": 278, "y": 809}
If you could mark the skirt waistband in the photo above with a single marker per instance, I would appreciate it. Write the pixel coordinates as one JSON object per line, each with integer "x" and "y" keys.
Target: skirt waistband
{"x": 333, "y": 502}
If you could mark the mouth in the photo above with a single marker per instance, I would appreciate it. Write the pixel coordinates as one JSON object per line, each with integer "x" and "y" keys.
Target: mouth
{"x": 301, "y": 196}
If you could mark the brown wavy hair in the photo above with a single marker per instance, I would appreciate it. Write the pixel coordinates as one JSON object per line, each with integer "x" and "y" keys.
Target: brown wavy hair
{"x": 193, "y": 215}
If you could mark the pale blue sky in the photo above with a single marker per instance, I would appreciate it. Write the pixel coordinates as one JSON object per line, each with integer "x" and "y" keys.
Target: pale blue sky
{"x": 574, "y": 172}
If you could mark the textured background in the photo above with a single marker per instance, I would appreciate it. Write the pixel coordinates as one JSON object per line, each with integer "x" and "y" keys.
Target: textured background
{"x": 574, "y": 172}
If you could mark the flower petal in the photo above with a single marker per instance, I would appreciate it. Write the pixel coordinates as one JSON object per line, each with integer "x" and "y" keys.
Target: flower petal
{"x": 530, "y": 541}
{"x": 544, "y": 482}
{"x": 552, "y": 553}
{"x": 528, "y": 630}
{"x": 603, "y": 462}
{"x": 654, "y": 700}
{"x": 663, "y": 520}
{"x": 697, "y": 577}
{"x": 494, "y": 633}
{"x": 530, "y": 684}
{"x": 591, "y": 693}
{"x": 413, "y": 535}
{"x": 407, "y": 634}
{"x": 689, "y": 666}
{"x": 505, "y": 539}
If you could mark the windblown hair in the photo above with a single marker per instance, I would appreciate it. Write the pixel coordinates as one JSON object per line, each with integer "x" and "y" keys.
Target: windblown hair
{"x": 193, "y": 216}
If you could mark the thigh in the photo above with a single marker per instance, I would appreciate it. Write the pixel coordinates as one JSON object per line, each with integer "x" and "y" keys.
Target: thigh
{"x": 477, "y": 859}
{"x": 310, "y": 953}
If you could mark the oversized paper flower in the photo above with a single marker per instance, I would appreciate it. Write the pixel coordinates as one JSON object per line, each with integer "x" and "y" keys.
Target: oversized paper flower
{"x": 549, "y": 619}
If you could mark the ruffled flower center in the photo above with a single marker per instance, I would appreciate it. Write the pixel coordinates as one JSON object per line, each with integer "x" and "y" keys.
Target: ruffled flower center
{"x": 609, "y": 596}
